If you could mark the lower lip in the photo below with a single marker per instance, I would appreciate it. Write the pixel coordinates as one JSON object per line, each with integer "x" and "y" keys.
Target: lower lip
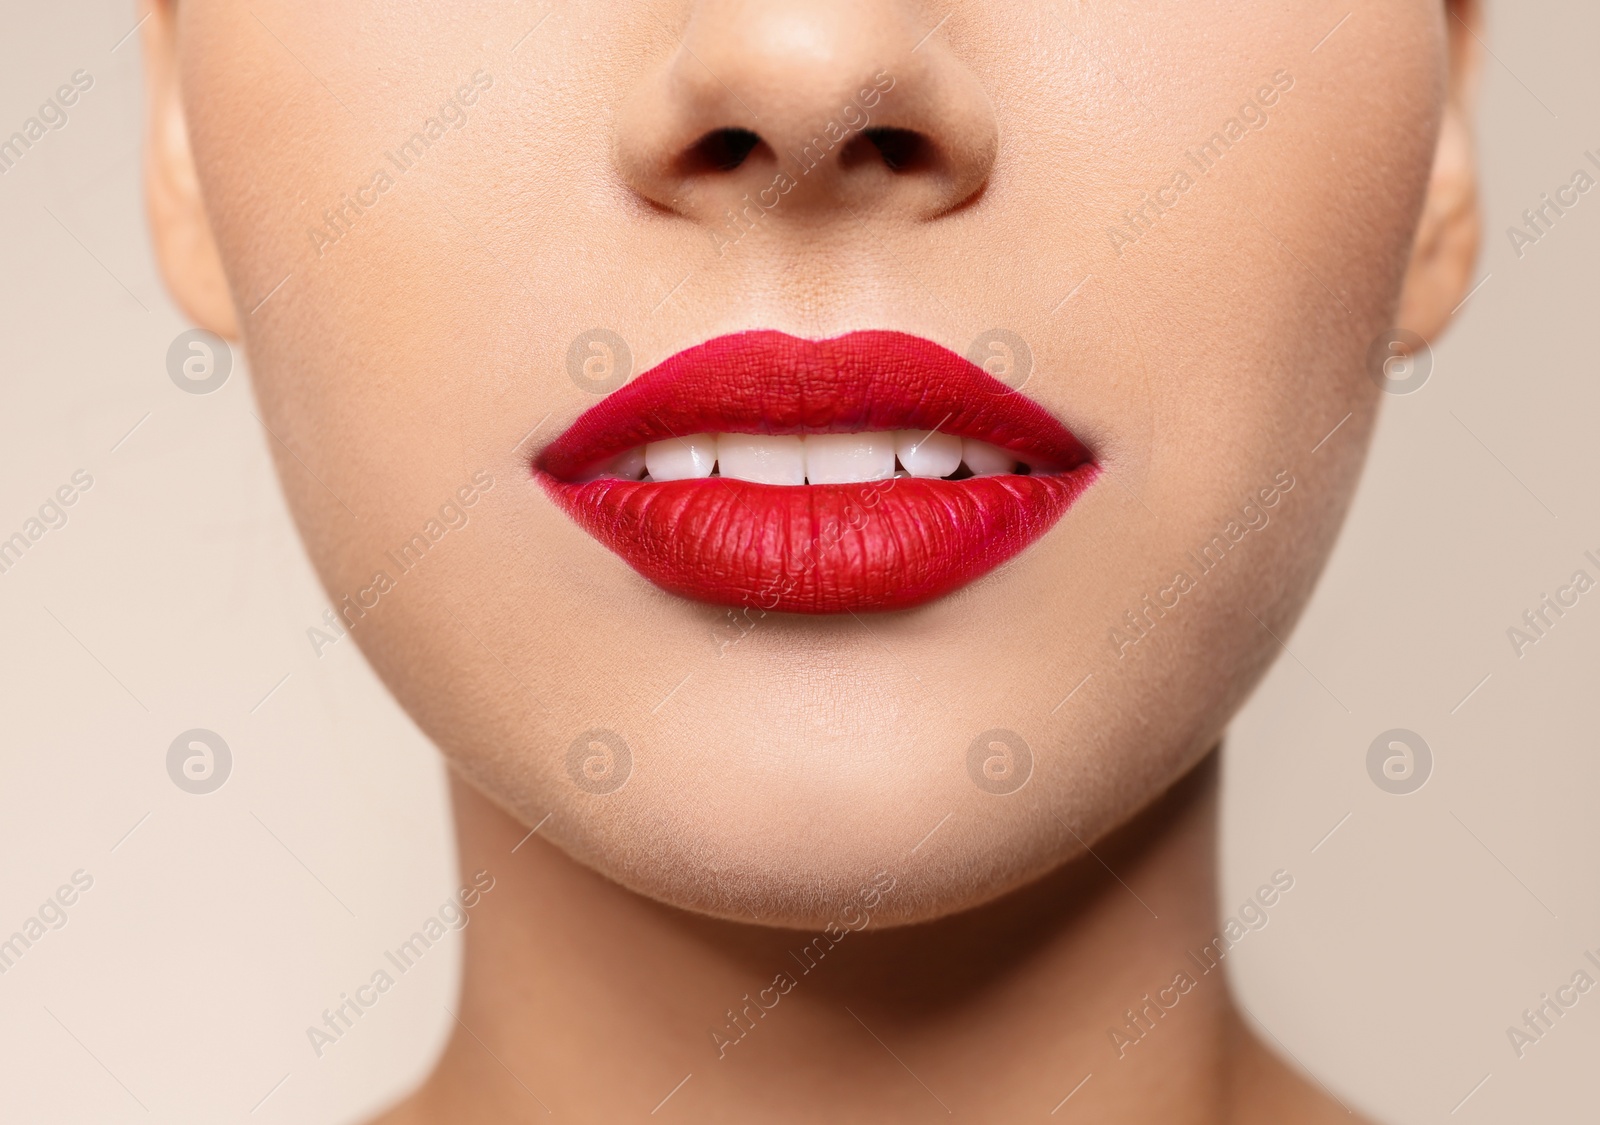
{"x": 819, "y": 549}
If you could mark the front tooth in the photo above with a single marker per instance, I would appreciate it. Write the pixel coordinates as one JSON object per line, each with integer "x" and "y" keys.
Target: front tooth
{"x": 681, "y": 458}
{"x": 927, "y": 454}
{"x": 626, "y": 466}
{"x": 848, "y": 458}
{"x": 986, "y": 460}
{"x": 761, "y": 458}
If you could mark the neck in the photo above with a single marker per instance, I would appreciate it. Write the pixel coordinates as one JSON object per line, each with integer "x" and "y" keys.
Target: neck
{"x": 1078, "y": 994}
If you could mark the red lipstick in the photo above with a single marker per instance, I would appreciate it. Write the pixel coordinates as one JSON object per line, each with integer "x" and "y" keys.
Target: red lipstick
{"x": 876, "y": 544}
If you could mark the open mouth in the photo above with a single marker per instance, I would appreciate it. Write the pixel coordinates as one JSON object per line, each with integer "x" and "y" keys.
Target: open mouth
{"x": 871, "y": 471}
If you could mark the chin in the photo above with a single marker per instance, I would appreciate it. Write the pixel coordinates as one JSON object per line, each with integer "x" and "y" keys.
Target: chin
{"x": 805, "y": 834}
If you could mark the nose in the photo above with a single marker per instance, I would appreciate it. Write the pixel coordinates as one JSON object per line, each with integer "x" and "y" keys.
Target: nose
{"x": 799, "y": 108}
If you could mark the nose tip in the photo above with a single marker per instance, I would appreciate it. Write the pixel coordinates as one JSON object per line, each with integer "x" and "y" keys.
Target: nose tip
{"x": 815, "y": 105}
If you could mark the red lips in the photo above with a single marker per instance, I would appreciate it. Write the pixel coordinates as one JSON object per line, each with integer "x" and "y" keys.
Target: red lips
{"x": 816, "y": 548}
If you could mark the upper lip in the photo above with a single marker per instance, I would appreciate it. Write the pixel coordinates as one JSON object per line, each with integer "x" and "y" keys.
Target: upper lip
{"x": 768, "y": 382}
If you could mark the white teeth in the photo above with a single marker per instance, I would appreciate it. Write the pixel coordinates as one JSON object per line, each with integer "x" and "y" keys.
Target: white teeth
{"x": 986, "y": 460}
{"x": 681, "y": 458}
{"x": 762, "y": 459}
{"x": 626, "y": 466}
{"x": 813, "y": 458}
{"x": 848, "y": 458}
{"x": 925, "y": 454}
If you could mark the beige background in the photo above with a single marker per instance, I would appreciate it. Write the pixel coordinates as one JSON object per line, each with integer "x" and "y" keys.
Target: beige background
{"x": 219, "y": 927}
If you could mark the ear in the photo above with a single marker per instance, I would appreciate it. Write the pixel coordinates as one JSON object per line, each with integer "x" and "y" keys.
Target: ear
{"x": 1447, "y": 239}
{"x": 185, "y": 248}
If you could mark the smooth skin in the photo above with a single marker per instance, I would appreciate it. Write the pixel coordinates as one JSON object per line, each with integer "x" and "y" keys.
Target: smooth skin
{"x": 779, "y": 766}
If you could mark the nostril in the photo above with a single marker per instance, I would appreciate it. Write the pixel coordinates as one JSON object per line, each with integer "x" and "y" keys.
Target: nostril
{"x": 721, "y": 150}
{"x": 901, "y": 150}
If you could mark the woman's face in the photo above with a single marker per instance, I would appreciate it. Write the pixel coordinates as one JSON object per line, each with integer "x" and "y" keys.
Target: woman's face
{"x": 1178, "y": 229}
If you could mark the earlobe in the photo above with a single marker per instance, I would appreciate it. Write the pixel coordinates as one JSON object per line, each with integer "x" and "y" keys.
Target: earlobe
{"x": 1449, "y": 233}
{"x": 184, "y": 245}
